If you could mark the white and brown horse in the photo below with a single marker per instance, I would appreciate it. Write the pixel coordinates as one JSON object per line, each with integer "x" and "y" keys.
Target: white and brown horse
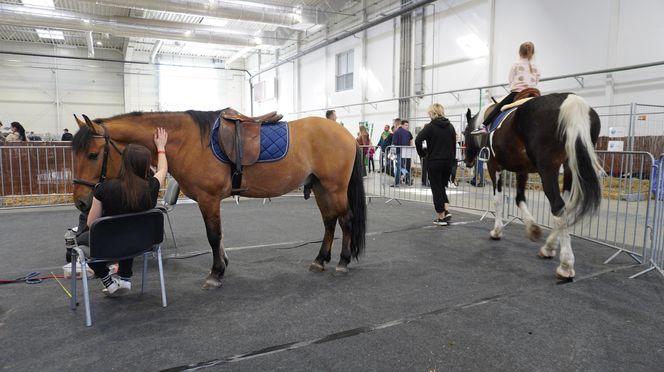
{"x": 542, "y": 135}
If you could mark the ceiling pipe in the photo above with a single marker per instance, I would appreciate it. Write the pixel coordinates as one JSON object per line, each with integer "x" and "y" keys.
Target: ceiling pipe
{"x": 155, "y": 50}
{"x": 406, "y": 9}
{"x": 90, "y": 44}
{"x": 207, "y": 9}
{"x": 18, "y": 15}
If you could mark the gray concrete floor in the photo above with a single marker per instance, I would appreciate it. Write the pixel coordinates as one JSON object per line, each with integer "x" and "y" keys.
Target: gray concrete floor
{"x": 421, "y": 298}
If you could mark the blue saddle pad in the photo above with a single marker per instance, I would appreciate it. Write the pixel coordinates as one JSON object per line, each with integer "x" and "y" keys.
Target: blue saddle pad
{"x": 274, "y": 142}
{"x": 500, "y": 118}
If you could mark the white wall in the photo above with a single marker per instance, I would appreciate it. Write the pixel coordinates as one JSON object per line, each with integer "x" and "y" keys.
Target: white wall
{"x": 43, "y": 94}
{"x": 570, "y": 37}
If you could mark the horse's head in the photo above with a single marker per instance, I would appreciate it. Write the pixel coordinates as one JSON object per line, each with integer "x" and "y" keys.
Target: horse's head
{"x": 96, "y": 158}
{"x": 473, "y": 145}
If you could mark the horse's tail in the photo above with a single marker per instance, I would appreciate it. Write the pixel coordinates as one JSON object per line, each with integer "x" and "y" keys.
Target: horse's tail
{"x": 358, "y": 207}
{"x": 574, "y": 130}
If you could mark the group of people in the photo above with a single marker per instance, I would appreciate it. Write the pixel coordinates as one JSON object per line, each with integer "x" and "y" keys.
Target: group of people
{"x": 18, "y": 134}
{"x": 436, "y": 143}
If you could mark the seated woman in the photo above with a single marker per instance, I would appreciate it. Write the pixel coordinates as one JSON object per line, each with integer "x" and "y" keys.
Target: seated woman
{"x": 135, "y": 190}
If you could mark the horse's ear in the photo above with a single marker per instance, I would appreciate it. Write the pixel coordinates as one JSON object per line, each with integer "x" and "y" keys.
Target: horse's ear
{"x": 468, "y": 116}
{"x": 95, "y": 128}
{"x": 80, "y": 122}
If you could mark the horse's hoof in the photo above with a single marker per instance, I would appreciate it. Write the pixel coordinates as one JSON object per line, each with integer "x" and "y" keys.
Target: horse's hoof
{"x": 315, "y": 267}
{"x": 564, "y": 275}
{"x": 534, "y": 232}
{"x": 546, "y": 253}
{"x": 341, "y": 270}
{"x": 212, "y": 282}
{"x": 495, "y": 236}
{"x": 225, "y": 260}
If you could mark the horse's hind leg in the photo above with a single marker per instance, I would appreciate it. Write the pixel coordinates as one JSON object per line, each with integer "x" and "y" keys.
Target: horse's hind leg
{"x": 212, "y": 215}
{"x": 565, "y": 270}
{"x": 330, "y": 221}
{"x": 345, "y": 223}
{"x": 497, "y": 180}
{"x": 534, "y": 231}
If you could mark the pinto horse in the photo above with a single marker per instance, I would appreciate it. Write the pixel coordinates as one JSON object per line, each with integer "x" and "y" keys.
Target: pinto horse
{"x": 322, "y": 156}
{"x": 540, "y": 136}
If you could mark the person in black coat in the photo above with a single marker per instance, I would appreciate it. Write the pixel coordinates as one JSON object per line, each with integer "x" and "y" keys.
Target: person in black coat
{"x": 440, "y": 153}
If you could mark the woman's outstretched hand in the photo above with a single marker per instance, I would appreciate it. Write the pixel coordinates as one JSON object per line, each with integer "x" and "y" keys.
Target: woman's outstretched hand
{"x": 160, "y": 138}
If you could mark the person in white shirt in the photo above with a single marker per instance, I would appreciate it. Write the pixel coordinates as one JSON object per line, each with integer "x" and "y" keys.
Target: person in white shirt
{"x": 523, "y": 74}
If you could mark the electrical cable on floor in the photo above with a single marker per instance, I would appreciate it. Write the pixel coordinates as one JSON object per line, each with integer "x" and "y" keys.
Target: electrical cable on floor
{"x": 30, "y": 278}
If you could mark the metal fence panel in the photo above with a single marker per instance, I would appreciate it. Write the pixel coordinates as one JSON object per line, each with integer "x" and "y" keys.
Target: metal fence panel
{"x": 35, "y": 173}
{"x": 655, "y": 250}
{"x": 624, "y": 218}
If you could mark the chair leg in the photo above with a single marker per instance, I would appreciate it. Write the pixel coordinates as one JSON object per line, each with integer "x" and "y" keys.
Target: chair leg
{"x": 72, "y": 285}
{"x": 86, "y": 295}
{"x": 161, "y": 277}
{"x": 145, "y": 271}
{"x": 175, "y": 244}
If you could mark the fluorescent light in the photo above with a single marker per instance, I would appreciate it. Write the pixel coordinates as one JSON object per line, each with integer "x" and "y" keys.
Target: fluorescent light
{"x": 187, "y": 33}
{"x": 49, "y": 34}
{"x": 258, "y": 40}
{"x": 40, "y": 3}
{"x": 239, "y": 54}
{"x": 86, "y": 20}
{"x": 99, "y": 43}
{"x": 216, "y": 22}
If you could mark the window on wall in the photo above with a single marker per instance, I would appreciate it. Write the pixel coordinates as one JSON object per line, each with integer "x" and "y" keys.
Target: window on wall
{"x": 344, "y": 71}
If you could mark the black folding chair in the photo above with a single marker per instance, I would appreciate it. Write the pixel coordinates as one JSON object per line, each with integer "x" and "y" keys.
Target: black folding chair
{"x": 117, "y": 238}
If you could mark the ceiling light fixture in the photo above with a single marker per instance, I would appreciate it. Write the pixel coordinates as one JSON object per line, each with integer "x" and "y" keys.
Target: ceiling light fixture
{"x": 40, "y": 3}
{"x": 258, "y": 40}
{"x": 49, "y": 34}
{"x": 216, "y": 22}
{"x": 99, "y": 43}
{"x": 187, "y": 33}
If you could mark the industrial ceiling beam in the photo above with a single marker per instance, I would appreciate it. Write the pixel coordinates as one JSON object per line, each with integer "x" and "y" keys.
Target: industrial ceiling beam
{"x": 208, "y": 9}
{"x": 19, "y": 15}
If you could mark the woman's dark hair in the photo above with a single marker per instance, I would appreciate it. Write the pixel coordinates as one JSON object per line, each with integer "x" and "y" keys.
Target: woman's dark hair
{"x": 20, "y": 130}
{"x": 134, "y": 174}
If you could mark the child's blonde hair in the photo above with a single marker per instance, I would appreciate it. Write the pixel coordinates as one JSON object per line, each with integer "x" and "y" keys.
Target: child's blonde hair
{"x": 527, "y": 50}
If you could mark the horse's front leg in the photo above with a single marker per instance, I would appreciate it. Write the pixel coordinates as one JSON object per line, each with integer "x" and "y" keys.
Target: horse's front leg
{"x": 211, "y": 211}
{"x": 534, "y": 231}
{"x": 497, "y": 181}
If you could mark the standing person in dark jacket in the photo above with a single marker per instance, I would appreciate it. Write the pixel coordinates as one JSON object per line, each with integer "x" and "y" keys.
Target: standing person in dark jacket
{"x": 440, "y": 153}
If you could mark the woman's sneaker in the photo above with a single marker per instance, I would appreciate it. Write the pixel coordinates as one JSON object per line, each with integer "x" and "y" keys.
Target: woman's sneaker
{"x": 117, "y": 287}
{"x": 440, "y": 222}
{"x": 448, "y": 216}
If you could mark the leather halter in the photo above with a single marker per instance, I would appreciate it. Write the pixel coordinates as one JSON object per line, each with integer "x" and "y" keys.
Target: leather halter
{"x": 104, "y": 163}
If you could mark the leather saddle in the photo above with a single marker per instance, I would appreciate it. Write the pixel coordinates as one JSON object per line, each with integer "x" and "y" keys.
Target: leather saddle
{"x": 240, "y": 138}
{"x": 240, "y": 135}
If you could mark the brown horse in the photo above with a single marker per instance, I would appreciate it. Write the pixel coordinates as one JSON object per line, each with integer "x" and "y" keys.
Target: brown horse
{"x": 322, "y": 156}
{"x": 540, "y": 136}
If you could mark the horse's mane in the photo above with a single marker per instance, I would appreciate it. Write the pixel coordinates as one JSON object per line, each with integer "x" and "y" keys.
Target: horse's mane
{"x": 204, "y": 119}
{"x": 81, "y": 141}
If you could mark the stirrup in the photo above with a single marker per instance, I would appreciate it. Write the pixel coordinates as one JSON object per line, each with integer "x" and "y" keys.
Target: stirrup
{"x": 478, "y": 131}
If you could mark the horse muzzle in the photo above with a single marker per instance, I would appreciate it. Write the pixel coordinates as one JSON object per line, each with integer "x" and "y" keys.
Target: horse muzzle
{"x": 84, "y": 204}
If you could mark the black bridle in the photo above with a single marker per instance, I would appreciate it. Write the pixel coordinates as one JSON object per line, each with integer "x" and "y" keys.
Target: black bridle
{"x": 104, "y": 164}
